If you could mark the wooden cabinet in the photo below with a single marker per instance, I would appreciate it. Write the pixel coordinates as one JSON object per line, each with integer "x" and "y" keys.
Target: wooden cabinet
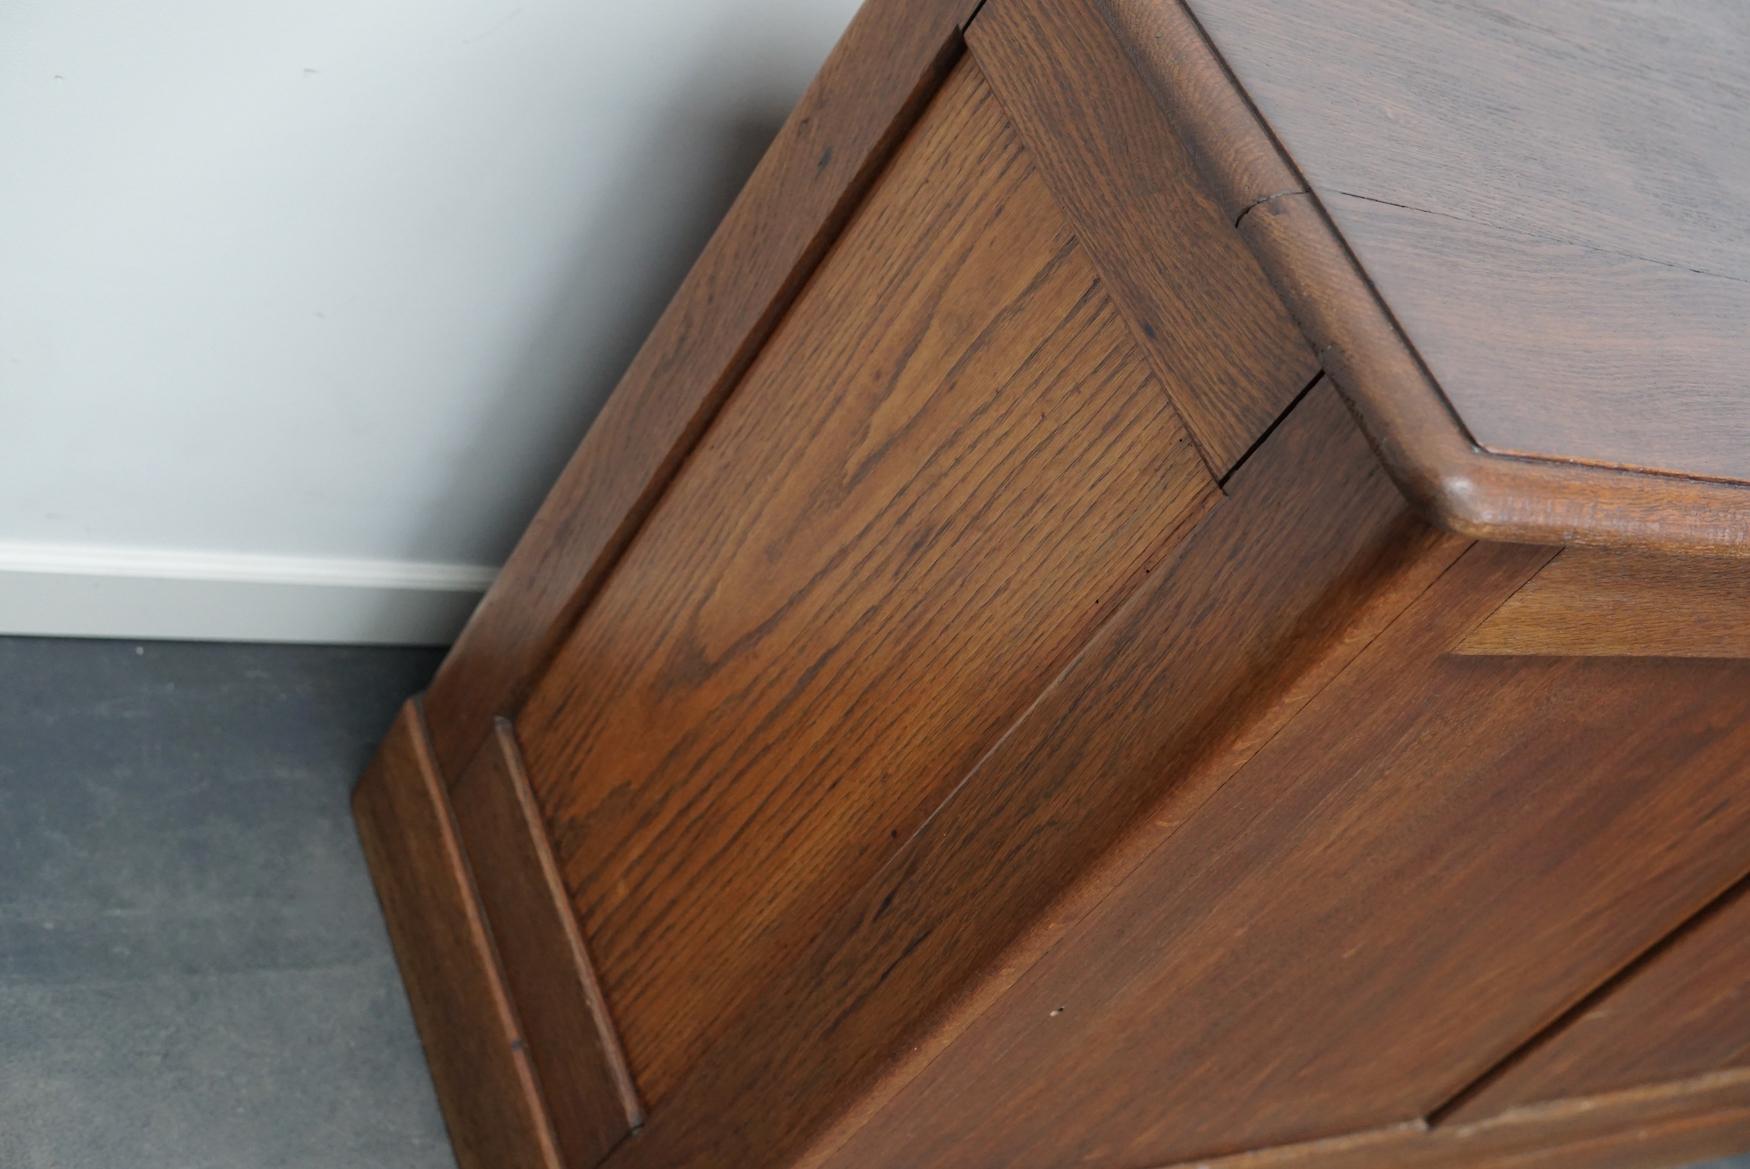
{"x": 1170, "y": 591}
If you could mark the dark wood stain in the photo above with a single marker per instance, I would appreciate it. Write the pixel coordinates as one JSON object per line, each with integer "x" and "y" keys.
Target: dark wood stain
{"x": 1550, "y": 349}
{"x": 1437, "y": 856}
{"x": 988, "y": 700}
{"x": 1309, "y": 556}
{"x": 1589, "y": 603}
{"x": 1666, "y": 1125}
{"x": 946, "y": 467}
{"x": 1516, "y": 461}
{"x": 1554, "y": 203}
{"x": 1434, "y": 460}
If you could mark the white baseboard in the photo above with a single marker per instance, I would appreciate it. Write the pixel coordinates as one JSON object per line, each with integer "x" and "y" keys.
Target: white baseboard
{"x": 65, "y": 591}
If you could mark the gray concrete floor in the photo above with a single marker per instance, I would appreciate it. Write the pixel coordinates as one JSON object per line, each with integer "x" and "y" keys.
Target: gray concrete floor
{"x": 193, "y": 971}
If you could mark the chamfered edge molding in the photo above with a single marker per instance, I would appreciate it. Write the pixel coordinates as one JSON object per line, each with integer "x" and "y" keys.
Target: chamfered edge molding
{"x": 1405, "y": 414}
{"x": 56, "y": 590}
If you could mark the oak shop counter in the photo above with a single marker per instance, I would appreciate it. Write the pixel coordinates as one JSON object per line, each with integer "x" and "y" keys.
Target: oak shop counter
{"x": 1170, "y": 590}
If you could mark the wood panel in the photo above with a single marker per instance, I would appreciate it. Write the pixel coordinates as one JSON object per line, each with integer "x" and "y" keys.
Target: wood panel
{"x": 882, "y": 72}
{"x": 472, "y": 1040}
{"x": 1681, "y": 1012}
{"x": 1164, "y": 250}
{"x": 570, "y": 1037}
{"x": 1436, "y": 858}
{"x": 947, "y": 466}
{"x": 1309, "y": 556}
{"x": 1593, "y": 604}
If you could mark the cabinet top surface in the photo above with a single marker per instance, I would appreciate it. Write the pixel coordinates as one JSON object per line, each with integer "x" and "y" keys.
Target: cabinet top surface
{"x": 1551, "y": 199}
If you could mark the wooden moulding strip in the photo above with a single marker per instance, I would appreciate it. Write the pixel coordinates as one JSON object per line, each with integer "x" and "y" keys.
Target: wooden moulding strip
{"x": 571, "y": 1040}
{"x": 473, "y": 1044}
{"x": 1403, "y": 411}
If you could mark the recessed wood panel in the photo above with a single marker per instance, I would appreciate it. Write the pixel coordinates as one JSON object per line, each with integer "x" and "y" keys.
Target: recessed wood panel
{"x": 945, "y": 468}
{"x": 1682, "y": 1012}
{"x": 1309, "y": 555}
{"x": 1439, "y": 856}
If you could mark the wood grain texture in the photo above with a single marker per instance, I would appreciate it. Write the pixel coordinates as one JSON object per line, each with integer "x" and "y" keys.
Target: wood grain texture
{"x": 1357, "y": 67}
{"x": 472, "y": 1039}
{"x": 1599, "y": 604}
{"x": 1164, "y": 250}
{"x": 1434, "y": 859}
{"x": 1671, "y": 1125}
{"x": 1552, "y": 349}
{"x": 1430, "y": 455}
{"x": 1311, "y": 553}
{"x": 1619, "y": 126}
{"x": 865, "y": 97}
{"x": 570, "y": 1037}
{"x": 1681, "y": 1012}
{"x": 947, "y": 466}
{"x": 1241, "y": 162}
{"x": 1554, "y": 204}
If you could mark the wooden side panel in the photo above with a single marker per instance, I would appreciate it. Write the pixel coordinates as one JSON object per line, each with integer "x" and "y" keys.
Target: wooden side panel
{"x": 1440, "y": 855}
{"x": 1309, "y": 556}
{"x": 945, "y": 469}
{"x": 472, "y": 1042}
{"x": 1595, "y": 604}
{"x": 570, "y": 1037}
{"x": 1682, "y": 1012}
{"x": 1166, "y": 252}
{"x": 865, "y": 97}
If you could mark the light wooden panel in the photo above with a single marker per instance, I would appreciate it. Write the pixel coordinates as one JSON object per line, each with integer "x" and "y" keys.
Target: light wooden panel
{"x": 948, "y": 465}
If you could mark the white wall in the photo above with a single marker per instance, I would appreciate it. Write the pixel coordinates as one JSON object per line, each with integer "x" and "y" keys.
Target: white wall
{"x": 302, "y": 305}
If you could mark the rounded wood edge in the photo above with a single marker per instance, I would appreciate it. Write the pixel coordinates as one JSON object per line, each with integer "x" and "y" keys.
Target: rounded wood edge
{"x": 1396, "y": 401}
{"x": 1425, "y": 447}
{"x": 1239, "y": 159}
